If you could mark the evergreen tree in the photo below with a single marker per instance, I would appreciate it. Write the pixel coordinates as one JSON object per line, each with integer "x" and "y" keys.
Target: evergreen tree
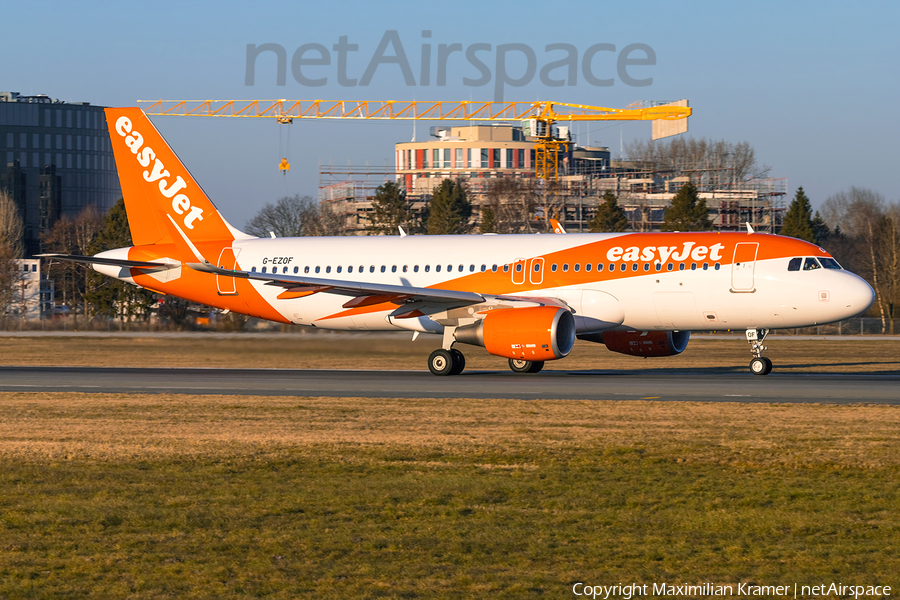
{"x": 106, "y": 295}
{"x": 488, "y": 220}
{"x": 390, "y": 209}
{"x": 610, "y": 217}
{"x": 450, "y": 209}
{"x": 821, "y": 230}
{"x": 798, "y": 221}
{"x": 687, "y": 212}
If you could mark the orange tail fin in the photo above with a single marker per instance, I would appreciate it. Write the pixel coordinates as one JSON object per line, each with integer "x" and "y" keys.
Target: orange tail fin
{"x": 155, "y": 183}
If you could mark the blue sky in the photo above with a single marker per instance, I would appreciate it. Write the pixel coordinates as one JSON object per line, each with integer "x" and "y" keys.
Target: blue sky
{"x": 810, "y": 85}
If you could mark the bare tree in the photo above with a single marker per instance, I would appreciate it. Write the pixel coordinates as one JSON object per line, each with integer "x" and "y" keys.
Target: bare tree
{"x": 11, "y": 232}
{"x": 73, "y": 236}
{"x": 860, "y": 214}
{"x": 699, "y": 158}
{"x": 295, "y": 216}
{"x": 512, "y": 202}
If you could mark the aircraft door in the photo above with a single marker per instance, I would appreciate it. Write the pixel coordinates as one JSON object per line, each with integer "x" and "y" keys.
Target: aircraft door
{"x": 227, "y": 260}
{"x": 743, "y": 267}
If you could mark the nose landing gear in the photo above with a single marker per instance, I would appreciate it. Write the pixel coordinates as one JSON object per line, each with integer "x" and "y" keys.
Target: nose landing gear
{"x": 759, "y": 365}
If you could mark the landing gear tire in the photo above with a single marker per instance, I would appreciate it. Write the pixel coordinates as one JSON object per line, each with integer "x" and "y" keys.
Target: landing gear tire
{"x": 441, "y": 362}
{"x": 459, "y": 361}
{"x": 525, "y": 366}
{"x": 761, "y": 366}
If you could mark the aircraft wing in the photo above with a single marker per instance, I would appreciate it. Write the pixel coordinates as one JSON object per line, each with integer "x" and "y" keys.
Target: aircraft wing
{"x": 364, "y": 293}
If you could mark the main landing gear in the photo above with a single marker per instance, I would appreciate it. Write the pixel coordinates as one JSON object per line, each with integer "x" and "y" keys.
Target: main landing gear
{"x": 452, "y": 362}
{"x": 446, "y": 362}
{"x": 760, "y": 365}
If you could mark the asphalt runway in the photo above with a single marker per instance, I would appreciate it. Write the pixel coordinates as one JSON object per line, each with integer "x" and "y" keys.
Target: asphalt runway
{"x": 705, "y": 385}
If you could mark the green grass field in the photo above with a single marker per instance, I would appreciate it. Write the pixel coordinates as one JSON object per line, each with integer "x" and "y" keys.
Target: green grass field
{"x": 157, "y": 496}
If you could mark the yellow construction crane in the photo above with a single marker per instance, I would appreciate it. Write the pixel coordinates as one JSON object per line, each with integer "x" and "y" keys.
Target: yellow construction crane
{"x": 541, "y": 116}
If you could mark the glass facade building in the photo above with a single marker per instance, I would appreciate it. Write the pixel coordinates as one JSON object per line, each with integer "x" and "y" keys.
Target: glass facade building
{"x": 57, "y": 160}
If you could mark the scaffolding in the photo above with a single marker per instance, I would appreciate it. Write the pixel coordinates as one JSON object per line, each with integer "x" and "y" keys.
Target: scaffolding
{"x": 573, "y": 200}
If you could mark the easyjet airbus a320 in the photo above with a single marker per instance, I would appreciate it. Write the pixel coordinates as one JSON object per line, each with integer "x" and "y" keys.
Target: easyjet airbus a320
{"x": 522, "y": 297}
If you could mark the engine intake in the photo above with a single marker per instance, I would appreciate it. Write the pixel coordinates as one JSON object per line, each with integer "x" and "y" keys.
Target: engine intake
{"x": 536, "y": 334}
{"x": 646, "y": 343}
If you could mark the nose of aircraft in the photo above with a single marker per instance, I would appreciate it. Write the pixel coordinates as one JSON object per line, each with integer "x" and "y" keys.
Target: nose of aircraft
{"x": 856, "y": 295}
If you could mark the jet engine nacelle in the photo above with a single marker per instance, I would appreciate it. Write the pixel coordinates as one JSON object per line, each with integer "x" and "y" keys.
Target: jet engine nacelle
{"x": 647, "y": 343}
{"x": 537, "y": 334}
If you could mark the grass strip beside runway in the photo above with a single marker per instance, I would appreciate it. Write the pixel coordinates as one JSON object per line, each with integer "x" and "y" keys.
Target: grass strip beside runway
{"x": 155, "y": 496}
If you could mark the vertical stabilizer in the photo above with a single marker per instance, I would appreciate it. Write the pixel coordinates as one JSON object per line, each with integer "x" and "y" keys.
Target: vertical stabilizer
{"x": 155, "y": 183}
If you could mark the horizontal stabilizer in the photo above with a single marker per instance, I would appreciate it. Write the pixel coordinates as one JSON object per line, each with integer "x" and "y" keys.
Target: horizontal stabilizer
{"x": 114, "y": 262}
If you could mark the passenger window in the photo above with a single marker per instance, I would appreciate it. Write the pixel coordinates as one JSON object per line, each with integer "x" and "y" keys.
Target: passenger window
{"x": 317, "y": 269}
{"x": 339, "y": 269}
{"x": 362, "y": 268}
{"x": 493, "y": 268}
{"x": 693, "y": 266}
{"x": 306, "y": 269}
{"x": 587, "y": 266}
{"x": 393, "y": 269}
{"x": 471, "y": 268}
{"x": 350, "y": 269}
{"x": 669, "y": 267}
{"x": 405, "y": 268}
{"x": 371, "y": 268}
{"x": 328, "y": 269}
{"x": 506, "y": 268}
{"x": 264, "y": 270}
{"x": 794, "y": 265}
{"x": 415, "y": 268}
{"x": 296, "y": 270}
{"x": 646, "y": 266}
{"x": 634, "y": 267}
{"x": 553, "y": 267}
{"x": 519, "y": 268}
{"x": 705, "y": 266}
{"x": 658, "y": 267}
{"x": 811, "y": 264}
{"x": 461, "y": 268}
{"x": 612, "y": 267}
{"x": 253, "y": 270}
{"x": 537, "y": 267}
{"x": 830, "y": 263}
{"x": 427, "y": 268}
{"x": 450, "y": 268}
{"x": 623, "y": 267}
{"x": 483, "y": 268}
{"x": 284, "y": 270}
{"x": 718, "y": 266}
{"x": 577, "y": 267}
{"x": 383, "y": 268}
{"x": 599, "y": 266}
{"x": 681, "y": 266}
{"x": 437, "y": 269}
{"x": 565, "y": 267}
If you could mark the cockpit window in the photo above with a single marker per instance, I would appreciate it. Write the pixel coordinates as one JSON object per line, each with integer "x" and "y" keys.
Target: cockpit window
{"x": 830, "y": 263}
{"x": 811, "y": 264}
{"x": 795, "y": 263}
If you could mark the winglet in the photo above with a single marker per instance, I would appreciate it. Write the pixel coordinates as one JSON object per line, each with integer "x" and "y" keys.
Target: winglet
{"x": 750, "y": 228}
{"x": 557, "y": 227}
{"x": 402, "y": 233}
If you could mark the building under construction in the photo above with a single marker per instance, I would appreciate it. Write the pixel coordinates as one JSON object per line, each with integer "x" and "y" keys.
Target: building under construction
{"x": 480, "y": 155}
